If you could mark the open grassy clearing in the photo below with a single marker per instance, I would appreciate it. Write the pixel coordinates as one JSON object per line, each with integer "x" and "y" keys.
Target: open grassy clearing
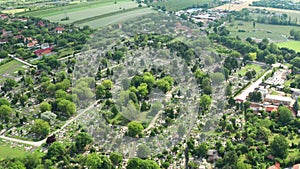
{"x": 10, "y": 69}
{"x": 176, "y": 5}
{"x": 7, "y": 151}
{"x": 70, "y": 8}
{"x": 276, "y": 33}
{"x": 243, "y": 71}
{"x": 117, "y": 18}
{"x": 295, "y": 45}
{"x": 91, "y": 12}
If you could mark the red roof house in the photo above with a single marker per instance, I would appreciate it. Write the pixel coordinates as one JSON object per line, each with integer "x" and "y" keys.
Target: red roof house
{"x": 59, "y": 29}
{"x": 43, "y": 52}
{"x": 271, "y": 108}
{"x": 275, "y": 166}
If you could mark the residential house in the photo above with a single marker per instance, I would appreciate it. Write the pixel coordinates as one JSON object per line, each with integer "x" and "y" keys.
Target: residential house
{"x": 59, "y": 30}
{"x": 275, "y": 166}
{"x": 271, "y": 108}
{"x": 296, "y": 166}
{"x": 295, "y": 92}
{"x": 3, "y": 16}
{"x": 43, "y": 52}
{"x": 3, "y": 41}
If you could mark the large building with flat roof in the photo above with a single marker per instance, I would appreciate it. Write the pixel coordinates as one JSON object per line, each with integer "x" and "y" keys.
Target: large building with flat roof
{"x": 277, "y": 100}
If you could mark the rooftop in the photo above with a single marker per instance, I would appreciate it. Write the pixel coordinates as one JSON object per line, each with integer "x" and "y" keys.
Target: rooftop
{"x": 280, "y": 98}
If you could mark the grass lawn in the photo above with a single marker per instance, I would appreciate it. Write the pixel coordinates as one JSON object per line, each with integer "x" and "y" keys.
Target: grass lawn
{"x": 6, "y": 151}
{"x": 10, "y": 69}
{"x": 295, "y": 45}
{"x": 276, "y": 33}
{"x": 117, "y": 18}
{"x": 243, "y": 71}
{"x": 176, "y": 5}
{"x": 101, "y": 9}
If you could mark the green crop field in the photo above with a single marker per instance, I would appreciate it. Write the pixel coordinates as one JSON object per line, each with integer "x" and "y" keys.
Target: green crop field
{"x": 176, "y": 5}
{"x": 9, "y": 69}
{"x": 295, "y": 45}
{"x": 276, "y": 33}
{"x": 91, "y": 12}
{"x": 117, "y": 18}
{"x": 6, "y": 151}
{"x": 42, "y": 13}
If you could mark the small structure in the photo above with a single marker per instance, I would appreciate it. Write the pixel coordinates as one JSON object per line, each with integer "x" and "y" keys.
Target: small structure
{"x": 212, "y": 155}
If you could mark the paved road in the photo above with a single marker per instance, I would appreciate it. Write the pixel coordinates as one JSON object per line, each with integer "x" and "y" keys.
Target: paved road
{"x": 22, "y": 61}
{"x": 242, "y": 96}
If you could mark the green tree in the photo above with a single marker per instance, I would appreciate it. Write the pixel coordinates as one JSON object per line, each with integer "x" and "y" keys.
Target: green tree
{"x": 201, "y": 150}
{"x": 285, "y": 115}
{"x": 5, "y": 112}
{"x": 205, "y": 102}
{"x": 45, "y": 106}
{"x": 279, "y": 147}
{"x": 56, "y": 151}
{"x": 4, "y": 101}
{"x": 134, "y": 128}
{"x": 16, "y": 165}
{"x": 96, "y": 161}
{"x": 116, "y": 158}
{"x": 3, "y": 54}
{"x": 40, "y": 128}
{"x": 66, "y": 108}
{"x": 270, "y": 59}
{"x": 82, "y": 140}
{"x": 143, "y": 90}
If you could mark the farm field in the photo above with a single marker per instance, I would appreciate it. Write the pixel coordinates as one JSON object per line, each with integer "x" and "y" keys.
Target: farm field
{"x": 9, "y": 69}
{"x": 176, "y": 5}
{"x": 6, "y": 151}
{"x": 91, "y": 12}
{"x": 117, "y": 18}
{"x": 295, "y": 45}
{"x": 235, "y": 7}
{"x": 279, "y": 33}
{"x": 42, "y": 13}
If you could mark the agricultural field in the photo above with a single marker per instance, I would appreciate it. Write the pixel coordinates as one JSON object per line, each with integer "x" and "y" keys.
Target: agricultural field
{"x": 117, "y": 18}
{"x": 91, "y": 12}
{"x": 10, "y": 69}
{"x": 295, "y": 45}
{"x": 236, "y": 6}
{"x": 176, "y": 5}
{"x": 51, "y": 11}
{"x": 278, "y": 33}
